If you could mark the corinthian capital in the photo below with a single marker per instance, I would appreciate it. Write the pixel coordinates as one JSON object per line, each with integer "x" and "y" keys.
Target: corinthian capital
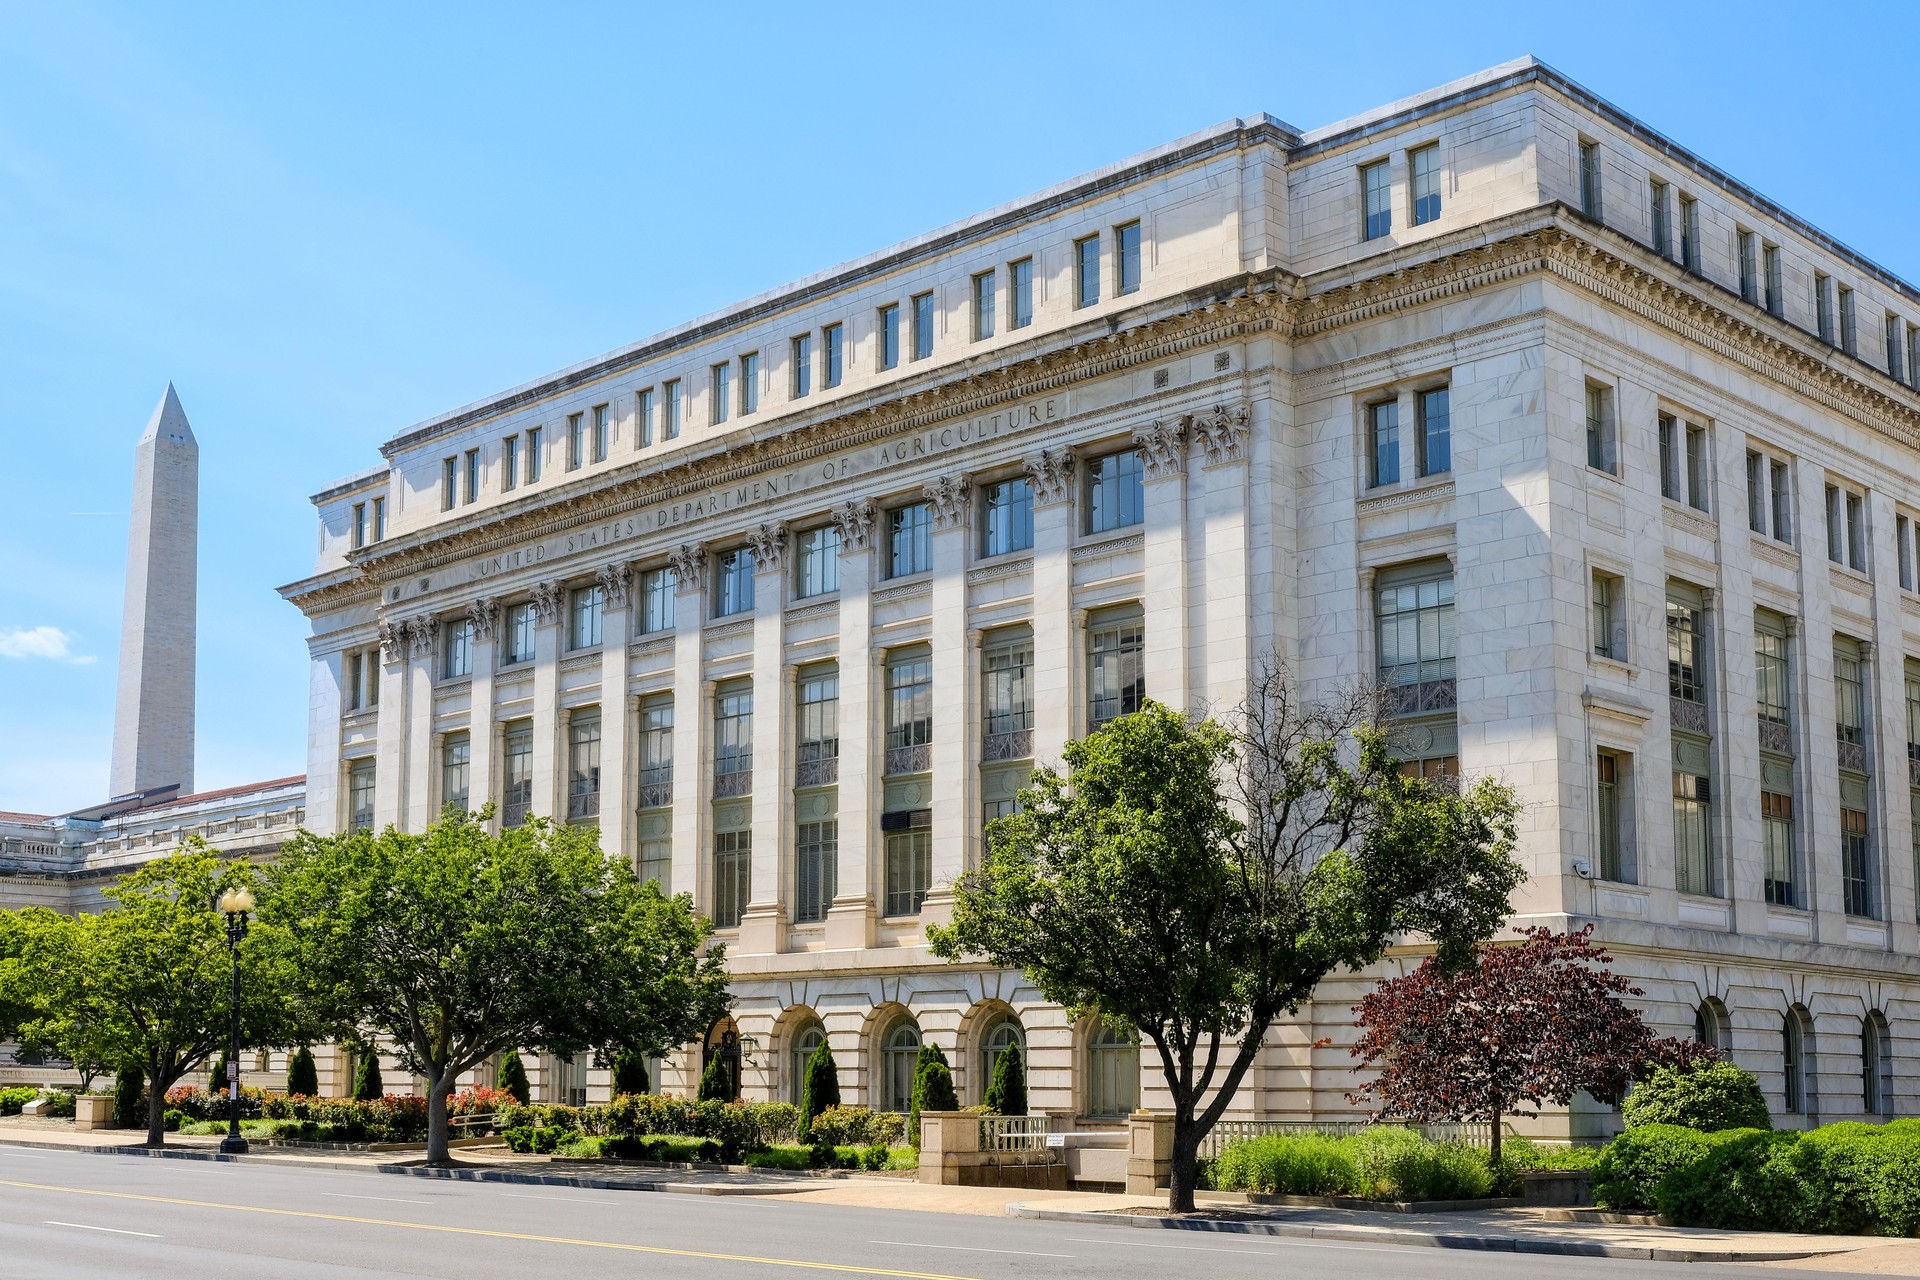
{"x": 422, "y": 637}
{"x": 689, "y": 564}
{"x": 855, "y": 520}
{"x": 614, "y": 580}
{"x": 1050, "y": 472}
{"x": 484, "y": 613}
{"x": 1163, "y": 448}
{"x": 1222, "y": 431}
{"x": 393, "y": 640}
{"x": 546, "y": 601}
{"x": 950, "y": 497}
{"x": 768, "y": 544}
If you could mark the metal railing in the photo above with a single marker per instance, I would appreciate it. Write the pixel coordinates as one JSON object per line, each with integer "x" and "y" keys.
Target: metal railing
{"x": 1476, "y": 1133}
{"x": 1014, "y": 1133}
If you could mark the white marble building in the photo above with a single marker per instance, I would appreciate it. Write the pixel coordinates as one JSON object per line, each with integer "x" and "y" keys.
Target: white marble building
{"x": 1605, "y": 459}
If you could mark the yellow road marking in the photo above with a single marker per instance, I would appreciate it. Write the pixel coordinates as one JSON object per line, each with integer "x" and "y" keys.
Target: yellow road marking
{"x": 492, "y": 1235}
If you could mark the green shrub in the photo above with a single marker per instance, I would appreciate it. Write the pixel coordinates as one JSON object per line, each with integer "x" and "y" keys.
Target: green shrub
{"x": 367, "y": 1084}
{"x": 716, "y": 1082}
{"x": 303, "y": 1077}
{"x": 1742, "y": 1178}
{"x": 782, "y": 1157}
{"x": 1526, "y": 1155}
{"x": 929, "y": 1054}
{"x": 129, "y": 1099}
{"x": 1709, "y": 1097}
{"x": 819, "y": 1090}
{"x": 172, "y": 1120}
{"x": 60, "y": 1103}
{"x": 539, "y": 1140}
{"x": 1439, "y": 1171}
{"x": 629, "y": 1073}
{"x": 513, "y": 1077}
{"x": 1307, "y": 1164}
{"x": 217, "y": 1074}
{"x": 1848, "y": 1178}
{"x": 1627, "y": 1176}
{"x": 932, "y": 1091}
{"x": 857, "y": 1126}
{"x": 1007, "y": 1094}
{"x": 580, "y": 1146}
{"x": 1373, "y": 1151}
{"x": 13, "y": 1100}
{"x": 667, "y": 1150}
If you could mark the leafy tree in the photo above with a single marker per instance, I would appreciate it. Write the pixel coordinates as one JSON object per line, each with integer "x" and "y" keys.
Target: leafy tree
{"x": 629, "y": 1073}
{"x": 929, "y": 1054}
{"x": 1197, "y": 880}
{"x": 303, "y": 1077}
{"x": 150, "y": 975}
{"x": 1525, "y": 1023}
{"x": 29, "y": 939}
{"x": 455, "y": 944}
{"x": 1708, "y": 1095}
{"x": 513, "y": 1077}
{"x": 716, "y": 1082}
{"x": 820, "y": 1089}
{"x": 367, "y": 1084}
{"x": 1007, "y": 1094}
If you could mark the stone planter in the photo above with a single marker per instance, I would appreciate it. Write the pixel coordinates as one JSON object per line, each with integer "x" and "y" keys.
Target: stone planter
{"x": 93, "y": 1111}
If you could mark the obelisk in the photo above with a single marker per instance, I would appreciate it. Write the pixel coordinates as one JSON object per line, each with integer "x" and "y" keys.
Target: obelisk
{"x": 153, "y": 719}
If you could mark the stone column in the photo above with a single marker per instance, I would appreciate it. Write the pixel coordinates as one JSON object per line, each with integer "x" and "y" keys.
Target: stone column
{"x": 548, "y": 768}
{"x": 955, "y": 782}
{"x": 850, "y": 919}
{"x": 1226, "y": 556}
{"x": 422, "y": 647}
{"x": 390, "y": 768}
{"x": 1163, "y": 455}
{"x": 1056, "y": 663}
{"x": 616, "y": 623}
{"x": 691, "y": 716}
{"x": 482, "y": 785}
{"x": 763, "y": 926}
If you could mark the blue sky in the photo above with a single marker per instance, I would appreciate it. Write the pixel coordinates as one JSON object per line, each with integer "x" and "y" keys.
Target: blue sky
{"x": 324, "y": 223}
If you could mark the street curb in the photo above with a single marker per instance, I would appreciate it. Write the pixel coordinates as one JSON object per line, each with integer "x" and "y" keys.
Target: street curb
{"x": 1423, "y": 1239}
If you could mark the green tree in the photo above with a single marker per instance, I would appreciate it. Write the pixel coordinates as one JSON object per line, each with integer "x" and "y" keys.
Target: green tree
{"x": 29, "y": 939}
{"x": 820, "y": 1089}
{"x": 1007, "y": 1094}
{"x": 303, "y": 1077}
{"x": 629, "y": 1073}
{"x": 367, "y": 1084}
{"x": 129, "y": 1098}
{"x": 150, "y": 974}
{"x": 716, "y": 1082}
{"x": 513, "y": 1077}
{"x": 217, "y": 1073}
{"x": 929, "y": 1054}
{"x": 1197, "y": 880}
{"x": 454, "y": 944}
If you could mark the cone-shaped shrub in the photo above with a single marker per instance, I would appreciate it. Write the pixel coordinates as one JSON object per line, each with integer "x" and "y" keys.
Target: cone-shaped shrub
{"x": 929, "y": 1054}
{"x": 629, "y": 1073}
{"x": 820, "y": 1090}
{"x": 932, "y": 1091}
{"x": 366, "y": 1079}
{"x": 1007, "y": 1095}
{"x": 303, "y": 1077}
{"x": 513, "y": 1078}
{"x": 716, "y": 1085}
{"x": 217, "y": 1075}
{"x": 129, "y": 1098}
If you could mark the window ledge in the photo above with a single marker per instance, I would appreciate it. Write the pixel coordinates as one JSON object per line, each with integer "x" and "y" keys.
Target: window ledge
{"x": 453, "y": 684}
{"x": 1597, "y": 473}
{"x": 1386, "y": 497}
{"x": 1613, "y": 666}
{"x": 1847, "y": 571}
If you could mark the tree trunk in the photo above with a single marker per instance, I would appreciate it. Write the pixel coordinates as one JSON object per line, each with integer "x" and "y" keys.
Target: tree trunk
{"x": 437, "y": 1119}
{"x": 1186, "y": 1161}
{"x": 1496, "y": 1136}
{"x": 156, "y": 1110}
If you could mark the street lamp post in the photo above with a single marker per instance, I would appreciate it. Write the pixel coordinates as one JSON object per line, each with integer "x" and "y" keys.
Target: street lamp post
{"x": 235, "y": 904}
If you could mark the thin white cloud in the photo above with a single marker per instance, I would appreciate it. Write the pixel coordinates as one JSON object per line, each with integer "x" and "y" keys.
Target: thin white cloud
{"x": 41, "y": 642}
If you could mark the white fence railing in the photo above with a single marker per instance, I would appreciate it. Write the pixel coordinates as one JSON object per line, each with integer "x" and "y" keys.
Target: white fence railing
{"x": 1014, "y": 1133}
{"x": 1476, "y": 1133}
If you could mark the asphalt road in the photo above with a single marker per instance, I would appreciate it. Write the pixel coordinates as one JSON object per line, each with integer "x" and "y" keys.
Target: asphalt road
{"x": 76, "y": 1215}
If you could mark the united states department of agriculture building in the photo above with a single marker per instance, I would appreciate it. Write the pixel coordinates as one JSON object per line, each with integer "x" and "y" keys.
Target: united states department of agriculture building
{"x": 1607, "y": 463}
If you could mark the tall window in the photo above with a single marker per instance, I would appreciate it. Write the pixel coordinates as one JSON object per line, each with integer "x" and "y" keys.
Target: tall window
{"x": 1609, "y": 775}
{"x": 1423, "y": 171}
{"x": 1003, "y": 1035}
{"x": 889, "y": 329}
{"x": 457, "y": 640}
{"x": 1756, "y": 492}
{"x": 1126, "y": 258}
{"x": 1876, "y": 1064}
{"x": 1383, "y": 443}
{"x": 983, "y": 294}
{"x": 1690, "y": 233}
{"x": 1683, "y": 462}
{"x": 1006, "y": 677}
{"x": 1600, "y": 428}
{"x": 719, "y": 392}
{"x": 1846, "y": 528}
{"x": 1114, "y": 496}
{"x": 470, "y": 476}
{"x": 576, "y": 440}
{"x": 899, "y": 1052}
{"x": 583, "y": 766}
{"x": 510, "y": 463}
{"x": 909, "y": 854}
{"x": 1896, "y": 348}
{"x": 1377, "y": 197}
{"x": 749, "y": 383}
{"x": 1686, "y": 678}
{"x": 732, "y": 876}
{"x": 1781, "y": 486}
{"x": 1792, "y": 1063}
{"x": 656, "y": 753}
{"x": 1692, "y": 845}
{"x": 922, "y": 325}
{"x": 1020, "y": 287}
{"x": 1776, "y": 839}
{"x": 1007, "y": 516}
{"x": 534, "y": 436}
{"x": 1746, "y": 245}
{"x": 359, "y": 524}
{"x": 1116, "y": 672}
{"x": 1590, "y": 178}
{"x": 1113, "y": 1072}
{"x": 802, "y": 365}
{"x": 363, "y": 680}
{"x": 818, "y": 729}
{"x": 816, "y": 561}
{"x": 1434, "y": 441}
{"x": 449, "y": 475}
{"x": 816, "y": 854}
{"x": 656, "y": 588}
{"x": 1086, "y": 271}
{"x": 360, "y": 795}
{"x": 834, "y": 345}
{"x": 733, "y": 582}
{"x": 588, "y": 604}
{"x": 643, "y": 418}
{"x": 1658, "y": 194}
{"x": 1849, "y": 323}
{"x": 380, "y": 514}
{"x": 1823, "y": 305}
{"x": 1849, "y": 698}
{"x": 1770, "y": 269}
{"x": 1771, "y": 676}
{"x": 1609, "y": 624}
{"x": 670, "y": 403}
{"x": 1416, "y": 631}
{"x": 1856, "y": 855}
{"x": 516, "y": 774}
{"x": 909, "y": 707}
{"x": 910, "y": 539}
{"x": 733, "y": 732}
{"x": 520, "y": 627}
{"x": 597, "y": 438}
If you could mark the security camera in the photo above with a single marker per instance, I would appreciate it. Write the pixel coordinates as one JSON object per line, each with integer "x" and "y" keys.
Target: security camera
{"x": 1582, "y": 869}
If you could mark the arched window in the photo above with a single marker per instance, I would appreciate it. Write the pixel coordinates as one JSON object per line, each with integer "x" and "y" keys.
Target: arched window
{"x": 1710, "y": 1024}
{"x": 1113, "y": 1072}
{"x": 898, "y": 1051}
{"x": 1796, "y": 1069}
{"x": 1876, "y": 1064}
{"x": 1002, "y": 1034}
{"x": 806, "y": 1040}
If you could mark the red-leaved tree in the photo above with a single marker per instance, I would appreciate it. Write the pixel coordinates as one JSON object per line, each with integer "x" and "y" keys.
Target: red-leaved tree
{"x": 1528, "y": 1022}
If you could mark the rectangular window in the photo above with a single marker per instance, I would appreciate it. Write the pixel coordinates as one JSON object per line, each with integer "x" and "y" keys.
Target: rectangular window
{"x": 1849, "y": 323}
{"x": 360, "y": 795}
{"x": 643, "y": 418}
{"x": 983, "y": 295}
{"x": 1609, "y": 629}
{"x": 1590, "y": 178}
{"x": 1782, "y": 500}
{"x": 1600, "y": 428}
{"x": 1669, "y": 457}
{"x": 816, "y": 854}
{"x": 1836, "y": 527}
{"x": 516, "y": 774}
{"x": 719, "y": 393}
{"x": 1770, "y": 268}
{"x": 1776, "y": 841}
{"x": 359, "y": 525}
{"x": 656, "y": 588}
{"x": 454, "y": 752}
{"x": 1692, "y": 843}
{"x": 732, "y": 874}
{"x": 1434, "y": 440}
{"x": 510, "y": 463}
{"x": 909, "y": 701}
{"x": 1697, "y": 476}
{"x": 449, "y": 476}
{"x": 833, "y": 343}
{"x": 1745, "y": 248}
{"x": 818, "y": 728}
{"x": 1126, "y": 258}
{"x": 910, "y": 540}
{"x": 1856, "y": 532}
{"x": 816, "y": 561}
{"x": 1849, "y": 700}
{"x": 1116, "y": 672}
{"x": 889, "y": 331}
{"x": 598, "y": 437}
{"x": 1756, "y": 492}
{"x": 533, "y": 453}
{"x": 1913, "y": 710}
{"x": 1661, "y": 217}
{"x": 1856, "y": 851}
{"x": 521, "y": 622}
{"x": 1383, "y": 443}
{"x": 1416, "y": 631}
{"x": 1771, "y": 676}
{"x": 1902, "y": 541}
{"x": 576, "y": 441}
{"x": 1913, "y": 355}
{"x": 733, "y": 732}
{"x": 1006, "y": 674}
{"x": 1690, "y": 233}
{"x": 1377, "y": 200}
{"x": 670, "y": 409}
{"x": 1609, "y": 778}
{"x": 379, "y": 519}
{"x": 656, "y": 753}
{"x": 654, "y": 861}
{"x": 1823, "y": 305}
{"x": 1115, "y": 499}
{"x": 802, "y": 365}
{"x": 1896, "y": 348}
{"x": 1686, "y": 675}
{"x": 457, "y": 639}
{"x": 733, "y": 582}
{"x": 583, "y": 766}
{"x": 587, "y": 606}
{"x": 1086, "y": 271}
{"x": 1020, "y": 285}
{"x": 1423, "y": 170}
{"x": 909, "y": 854}
{"x": 470, "y": 476}
{"x": 1006, "y": 516}
{"x": 356, "y": 673}
{"x": 749, "y": 383}
{"x": 922, "y": 325}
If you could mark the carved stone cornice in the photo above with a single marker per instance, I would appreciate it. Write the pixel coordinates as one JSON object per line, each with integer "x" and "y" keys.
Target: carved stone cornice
{"x": 689, "y": 564}
{"x": 484, "y": 613}
{"x": 951, "y": 496}
{"x": 1222, "y": 431}
{"x": 768, "y": 543}
{"x": 615, "y": 579}
{"x": 1163, "y": 448}
{"x": 545, "y": 597}
{"x": 1050, "y": 474}
{"x": 855, "y": 519}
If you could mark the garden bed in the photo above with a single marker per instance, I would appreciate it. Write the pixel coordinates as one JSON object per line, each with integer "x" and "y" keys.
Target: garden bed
{"x": 1352, "y": 1202}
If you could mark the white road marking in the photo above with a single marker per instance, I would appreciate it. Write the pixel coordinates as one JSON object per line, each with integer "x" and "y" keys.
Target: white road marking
{"x": 967, "y": 1248}
{"x": 20, "y": 1155}
{"x": 517, "y": 1195}
{"x": 81, "y": 1226}
{"x": 341, "y": 1195}
{"x": 1310, "y": 1244}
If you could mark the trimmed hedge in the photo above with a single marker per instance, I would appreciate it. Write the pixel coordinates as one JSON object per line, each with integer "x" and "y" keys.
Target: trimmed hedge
{"x": 1384, "y": 1163}
{"x": 1627, "y": 1177}
{"x": 1709, "y": 1097}
{"x": 12, "y": 1101}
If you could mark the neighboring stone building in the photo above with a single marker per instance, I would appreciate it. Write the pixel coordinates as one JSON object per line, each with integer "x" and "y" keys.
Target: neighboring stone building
{"x": 1605, "y": 460}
